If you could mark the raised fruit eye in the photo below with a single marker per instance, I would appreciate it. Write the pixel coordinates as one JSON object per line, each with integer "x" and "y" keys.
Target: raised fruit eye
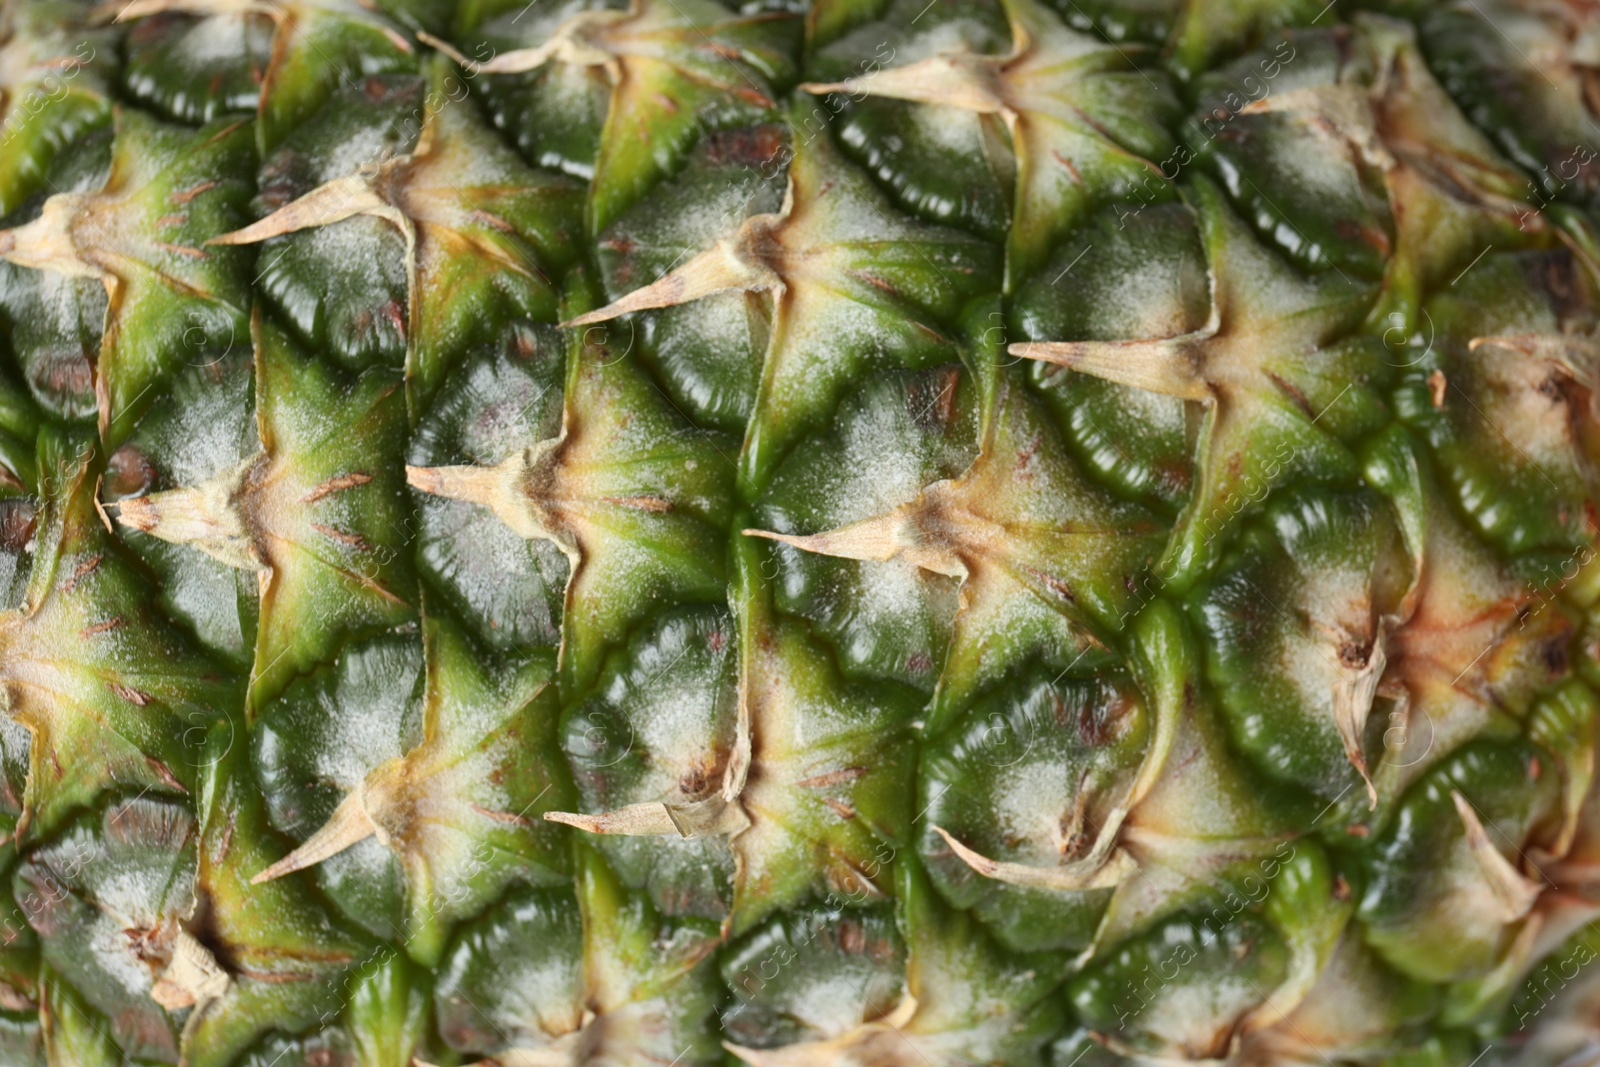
{"x": 804, "y": 533}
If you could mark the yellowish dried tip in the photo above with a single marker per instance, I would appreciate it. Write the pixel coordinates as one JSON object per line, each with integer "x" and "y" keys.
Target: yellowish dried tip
{"x": 143, "y": 8}
{"x": 1170, "y": 366}
{"x": 714, "y": 816}
{"x": 475, "y": 485}
{"x": 140, "y": 513}
{"x": 637, "y": 820}
{"x": 721, "y": 268}
{"x": 1352, "y": 703}
{"x": 504, "y": 489}
{"x": 968, "y": 81}
{"x": 517, "y": 61}
{"x": 1513, "y": 891}
{"x": 1092, "y": 872}
{"x": 204, "y": 516}
{"x": 897, "y": 533}
{"x": 1575, "y": 355}
{"x": 349, "y": 825}
{"x": 449, "y": 50}
{"x": 334, "y": 201}
{"x": 47, "y": 243}
{"x": 100, "y": 510}
{"x": 870, "y": 539}
{"x": 193, "y": 977}
{"x": 1344, "y": 105}
{"x": 139, "y": 9}
{"x": 13, "y": 999}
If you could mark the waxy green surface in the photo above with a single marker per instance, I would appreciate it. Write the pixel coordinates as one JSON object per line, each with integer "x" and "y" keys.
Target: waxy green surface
{"x": 1001, "y": 532}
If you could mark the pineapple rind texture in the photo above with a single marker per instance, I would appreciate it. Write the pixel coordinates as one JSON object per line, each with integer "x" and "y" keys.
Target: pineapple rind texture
{"x": 983, "y": 532}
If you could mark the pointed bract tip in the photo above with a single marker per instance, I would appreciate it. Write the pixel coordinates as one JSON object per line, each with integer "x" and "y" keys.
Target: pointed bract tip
{"x": 141, "y": 513}
{"x": 590, "y": 318}
{"x": 277, "y": 870}
{"x": 120, "y": 12}
{"x": 448, "y": 50}
{"x": 350, "y": 824}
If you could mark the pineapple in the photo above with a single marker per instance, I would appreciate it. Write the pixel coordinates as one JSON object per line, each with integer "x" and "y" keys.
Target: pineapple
{"x": 983, "y": 532}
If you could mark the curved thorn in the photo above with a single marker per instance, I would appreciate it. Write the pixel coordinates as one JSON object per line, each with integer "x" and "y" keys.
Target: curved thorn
{"x": 1092, "y": 872}
{"x": 1513, "y": 891}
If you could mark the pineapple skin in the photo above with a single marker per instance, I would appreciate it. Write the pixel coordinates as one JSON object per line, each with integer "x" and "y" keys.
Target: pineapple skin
{"x": 991, "y": 532}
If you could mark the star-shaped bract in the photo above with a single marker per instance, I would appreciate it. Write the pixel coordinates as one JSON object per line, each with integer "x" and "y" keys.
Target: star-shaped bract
{"x": 1462, "y": 837}
{"x": 1297, "y": 622}
{"x": 1257, "y": 365}
{"x": 1450, "y": 192}
{"x": 965, "y": 1001}
{"x": 658, "y": 729}
{"x": 115, "y": 893}
{"x": 1179, "y": 814}
{"x": 1071, "y": 835}
{"x": 51, "y": 92}
{"x": 459, "y": 808}
{"x": 629, "y": 491}
{"x": 317, "y": 511}
{"x": 140, "y": 234}
{"x": 1505, "y": 396}
{"x": 1202, "y": 827}
{"x": 125, "y": 901}
{"x": 670, "y": 63}
{"x": 1357, "y": 1004}
{"x": 1558, "y": 879}
{"x": 484, "y": 232}
{"x": 283, "y": 953}
{"x": 1529, "y": 74}
{"x": 107, "y": 687}
{"x": 853, "y": 284}
{"x": 316, "y": 46}
{"x": 1477, "y": 641}
{"x": 1031, "y": 541}
{"x": 1076, "y": 107}
{"x": 816, "y": 777}
{"x": 628, "y": 987}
